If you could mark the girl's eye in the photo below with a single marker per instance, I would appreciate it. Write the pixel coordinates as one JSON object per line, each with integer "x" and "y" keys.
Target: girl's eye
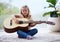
{"x": 24, "y": 10}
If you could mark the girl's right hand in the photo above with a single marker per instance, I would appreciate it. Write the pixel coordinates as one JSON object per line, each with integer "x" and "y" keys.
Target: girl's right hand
{"x": 16, "y": 20}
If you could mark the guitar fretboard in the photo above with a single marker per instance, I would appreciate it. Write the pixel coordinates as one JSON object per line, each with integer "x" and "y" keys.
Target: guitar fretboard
{"x": 38, "y": 22}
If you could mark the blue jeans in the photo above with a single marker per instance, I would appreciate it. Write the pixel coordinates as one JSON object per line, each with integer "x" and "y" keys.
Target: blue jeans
{"x": 24, "y": 34}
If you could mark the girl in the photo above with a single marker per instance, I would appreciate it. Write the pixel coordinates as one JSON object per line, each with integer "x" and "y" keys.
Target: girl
{"x": 26, "y": 33}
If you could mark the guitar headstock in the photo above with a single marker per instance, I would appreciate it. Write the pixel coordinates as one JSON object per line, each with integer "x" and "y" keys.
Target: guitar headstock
{"x": 49, "y": 22}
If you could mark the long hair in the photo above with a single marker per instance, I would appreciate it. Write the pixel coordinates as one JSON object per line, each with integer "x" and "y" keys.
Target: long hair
{"x": 27, "y": 8}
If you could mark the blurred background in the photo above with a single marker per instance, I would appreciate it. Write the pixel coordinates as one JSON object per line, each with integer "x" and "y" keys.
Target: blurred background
{"x": 37, "y": 8}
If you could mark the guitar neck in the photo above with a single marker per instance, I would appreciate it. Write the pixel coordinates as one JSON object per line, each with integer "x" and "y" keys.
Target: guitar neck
{"x": 39, "y": 22}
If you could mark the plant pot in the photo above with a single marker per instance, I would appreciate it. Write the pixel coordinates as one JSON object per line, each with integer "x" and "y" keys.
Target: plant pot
{"x": 55, "y": 27}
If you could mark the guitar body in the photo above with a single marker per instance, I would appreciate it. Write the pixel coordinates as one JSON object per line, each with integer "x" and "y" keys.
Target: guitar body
{"x": 10, "y": 25}
{"x": 15, "y": 29}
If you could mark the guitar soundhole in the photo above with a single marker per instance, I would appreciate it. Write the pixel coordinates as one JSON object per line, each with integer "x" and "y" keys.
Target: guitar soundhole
{"x": 10, "y": 22}
{"x": 20, "y": 22}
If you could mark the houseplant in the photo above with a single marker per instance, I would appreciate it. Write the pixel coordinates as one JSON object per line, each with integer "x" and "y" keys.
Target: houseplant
{"x": 54, "y": 15}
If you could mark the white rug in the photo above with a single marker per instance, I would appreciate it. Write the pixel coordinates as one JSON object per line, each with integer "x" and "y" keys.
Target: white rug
{"x": 42, "y": 36}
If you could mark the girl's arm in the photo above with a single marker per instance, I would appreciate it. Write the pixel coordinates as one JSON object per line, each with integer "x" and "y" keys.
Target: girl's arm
{"x": 15, "y": 18}
{"x": 31, "y": 24}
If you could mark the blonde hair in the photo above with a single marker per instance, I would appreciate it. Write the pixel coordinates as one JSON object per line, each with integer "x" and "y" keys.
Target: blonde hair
{"x": 25, "y": 6}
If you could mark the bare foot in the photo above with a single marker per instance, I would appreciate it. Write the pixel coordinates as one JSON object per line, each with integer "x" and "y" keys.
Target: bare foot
{"x": 29, "y": 37}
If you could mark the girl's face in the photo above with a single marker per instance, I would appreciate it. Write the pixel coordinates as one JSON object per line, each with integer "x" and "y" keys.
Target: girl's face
{"x": 25, "y": 11}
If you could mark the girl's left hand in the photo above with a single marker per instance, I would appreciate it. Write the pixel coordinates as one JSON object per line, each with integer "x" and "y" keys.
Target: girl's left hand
{"x": 32, "y": 24}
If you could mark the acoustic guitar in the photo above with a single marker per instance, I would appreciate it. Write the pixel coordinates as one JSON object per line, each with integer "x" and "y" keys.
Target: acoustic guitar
{"x": 10, "y": 26}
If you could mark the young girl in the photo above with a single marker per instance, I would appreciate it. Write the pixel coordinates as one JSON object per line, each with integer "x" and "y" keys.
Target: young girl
{"x": 26, "y": 33}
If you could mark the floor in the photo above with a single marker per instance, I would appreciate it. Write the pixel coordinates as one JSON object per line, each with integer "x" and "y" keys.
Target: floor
{"x": 43, "y": 35}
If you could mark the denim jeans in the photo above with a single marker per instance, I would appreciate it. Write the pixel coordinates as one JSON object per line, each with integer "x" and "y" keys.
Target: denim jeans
{"x": 24, "y": 34}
